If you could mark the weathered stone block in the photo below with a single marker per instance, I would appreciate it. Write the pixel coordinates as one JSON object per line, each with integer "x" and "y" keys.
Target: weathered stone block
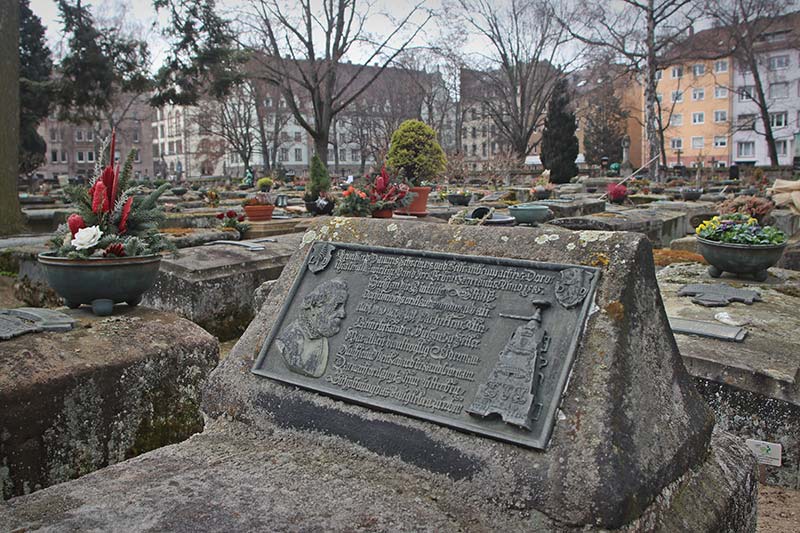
{"x": 213, "y": 285}
{"x": 688, "y": 243}
{"x": 110, "y": 389}
{"x": 574, "y": 207}
{"x": 696, "y": 212}
{"x": 660, "y": 225}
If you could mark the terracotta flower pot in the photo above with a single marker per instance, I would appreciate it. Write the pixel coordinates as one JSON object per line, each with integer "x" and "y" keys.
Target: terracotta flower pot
{"x": 383, "y": 213}
{"x": 258, "y": 213}
{"x": 419, "y": 205}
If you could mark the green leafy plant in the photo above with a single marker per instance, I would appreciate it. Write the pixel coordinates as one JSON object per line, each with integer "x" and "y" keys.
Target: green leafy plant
{"x": 355, "y": 203}
{"x": 319, "y": 181}
{"x": 264, "y": 184}
{"x": 231, "y": 219}
{"x": 415, "y": 154}
{"x": 739, "y": 228}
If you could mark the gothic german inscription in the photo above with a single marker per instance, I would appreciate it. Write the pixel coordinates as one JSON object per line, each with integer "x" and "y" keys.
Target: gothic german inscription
{"x": 481, "y": 344}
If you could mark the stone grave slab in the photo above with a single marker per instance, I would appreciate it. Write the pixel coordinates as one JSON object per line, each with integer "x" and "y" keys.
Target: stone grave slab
{"x": 660, "y": 225}
{"x": 110, "y": 389}
{"x": 213, "y": 286}
{"x": 751, "y": 385}
{"x": 696, "y": 212}
{"x": 573, "y": 206}
{"x": 496, "y": 196}
{"x": 627, "y": 453}
{"x": 787, "y": 221}
{"x": 15, "y": 322}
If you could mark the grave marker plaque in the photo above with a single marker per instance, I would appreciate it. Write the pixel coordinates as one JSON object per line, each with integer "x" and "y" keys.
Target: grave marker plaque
{"x": 482, "y": 344}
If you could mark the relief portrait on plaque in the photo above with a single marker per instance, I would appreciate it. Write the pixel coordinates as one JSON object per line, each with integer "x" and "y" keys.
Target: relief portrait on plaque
{"x": 509, "y": 390}
{"x": 304, "y": 342}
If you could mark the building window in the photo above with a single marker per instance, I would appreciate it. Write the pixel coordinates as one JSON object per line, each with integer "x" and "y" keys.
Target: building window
{"x": 698, "y": 69}
{"x": 52, "y": 135}
{"x": 171, "y": 147}
{"x": 698, "y": 143}
{"x": 779, "y": 90}
{"x": 90, "y": 156}
{"x": 659, "y": 75}
{"x": 721, "y": 115}
{"x": 474, "y": 149}
{"x": 746, "y": 122}
{"x": 155, "y": 151}
{"x": 779, "y": 62}
{"x": 136, "y": 157}
{"x": 79, "y": 157}
{"x": 343, "y": 154}
{"x": 781, "y": 147}
{"x": 676, "y": 144}
{"x": 778, "y": 120}
{"x": 268, "y": 102}
{"x": 677, "y": 72}
{"x": 78, "y": 134}
{"x": 746, "y": 93}
{"x": 677, "y": 96}
{"x": 284, "y": 153}
{"x": 745, "y": 149}
{"x": 720, "y": 92}
{"x": 698, "y": 117}
{"x": 64, "y": 158}
{"x": 179, "y": 147}
{"x": 297, "y": 137}
{"x": 721, "y": 65}
{"x": 474, "y": 133}
{"x": 161, "y": 130}
{"x": 483, "y": 149}
{"x": 355, "y": 154}
{"x": 698, "y": 93}
{"x": 298, "y": 154}
{"x": 54, "y": 156}
{"x": 676, "y": 120}
{"x": 720, "y": 142}
{"x": 136, "y": 136}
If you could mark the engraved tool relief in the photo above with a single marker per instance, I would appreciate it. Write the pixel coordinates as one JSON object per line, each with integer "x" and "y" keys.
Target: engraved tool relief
{"x": 573, "y": 286}
{"x": 304, "y": 342}
{"x": 511, "y": 387}
{"x": 320, "y": 256}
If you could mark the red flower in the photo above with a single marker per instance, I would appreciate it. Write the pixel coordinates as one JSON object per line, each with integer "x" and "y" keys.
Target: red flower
{"x": 123, "y": 219}
{"x": 231, "y": 214}
{"x": 220, "y": 215}
{"x": 99, "y": 197}
{"x": 350, "y": 190}
{"x": 75, "y": 222}
{"x": 114, "y": 249}
{"x": 240, "y": 218}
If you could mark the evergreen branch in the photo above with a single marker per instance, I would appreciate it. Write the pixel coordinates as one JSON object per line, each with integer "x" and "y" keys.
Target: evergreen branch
{"x": 150, "y": 201}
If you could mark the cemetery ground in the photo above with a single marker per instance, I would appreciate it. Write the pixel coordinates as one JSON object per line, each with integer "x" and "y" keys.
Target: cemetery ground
{"x": 230, "y": 289}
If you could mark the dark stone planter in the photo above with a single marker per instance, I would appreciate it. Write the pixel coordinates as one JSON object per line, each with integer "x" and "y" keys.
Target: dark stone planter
{"x": 179, "y": 191}
{"x": 746, "y": 259}
{"x": 542, "y": 195}
{"x": 691, "y": 194}
{"x": 459, "y": 199}
{"x": 530, "y": 213}
{"x": 100, "y": 282}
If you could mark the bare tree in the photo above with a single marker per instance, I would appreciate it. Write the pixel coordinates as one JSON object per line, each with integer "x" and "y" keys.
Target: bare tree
{"x": 514, "y": 82}
{"x": 307, "y": 48}
{"x": 747, "y": 25}
{"x": 233, "y": 120}
{"x": 10, "y": 215}
{"x": 638, "y": 32}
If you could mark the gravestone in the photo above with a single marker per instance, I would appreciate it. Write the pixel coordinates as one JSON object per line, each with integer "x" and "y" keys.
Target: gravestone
{"x": 630, "y": 444}
{"x": 660, "y": 225}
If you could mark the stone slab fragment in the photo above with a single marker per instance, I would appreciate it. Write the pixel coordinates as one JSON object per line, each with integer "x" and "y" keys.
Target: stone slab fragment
{"x": 573, "y": 207}
{"x": 661, "y": 226}
{"x": 791, "y": 256}
{"x": 269, "y": 228}
{"x": 231, "y": 478}
{"x": 696, "y": 212}
{"x": 110, "y": 389}
{"x": 787, "y": 221}
{"x": 619, "y": 441}
{"x": 213, "y": 286}
{"x": 688, "y": 243}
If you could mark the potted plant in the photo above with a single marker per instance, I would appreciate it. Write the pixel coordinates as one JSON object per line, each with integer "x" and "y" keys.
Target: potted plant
{"x": 355, "y": 203}
{"x": 211, "y": 197}
{"x": 259, "y": 207}
{"x": 109, "y": 250}
{"x": 736, "y": 243}
{"x": 691, "y": 193}
{"x": 316, "y": 197}
{"x": 459, "y": 197}
{"x": 385, "y": 196}
{"x": 754, "y": 206}
{"x": 542, "y": 189}
{"x": 617, "y": 193}
{"x": 231, "y": 220}
{"x": 265, "y": 184}
{"x": 416, "y": 156}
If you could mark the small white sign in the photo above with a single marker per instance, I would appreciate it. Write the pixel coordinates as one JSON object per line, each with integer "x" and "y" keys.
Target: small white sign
{"x": 767, "y": 453}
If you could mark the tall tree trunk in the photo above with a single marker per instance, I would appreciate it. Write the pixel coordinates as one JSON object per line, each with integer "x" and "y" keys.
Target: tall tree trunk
{"x": 651, "y": 118}
{"x": 763, "y": 111}
{"x": 11, "y": 219}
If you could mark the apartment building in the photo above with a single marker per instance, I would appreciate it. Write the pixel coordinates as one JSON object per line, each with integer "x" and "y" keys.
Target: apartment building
{"x": 778, "y": 53}
{"x": 73, "y": 149}
{"x": 694, "y": 91}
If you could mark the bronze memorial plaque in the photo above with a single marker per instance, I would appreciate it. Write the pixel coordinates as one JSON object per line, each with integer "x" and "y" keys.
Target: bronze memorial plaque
{"x": 481, "y": 344}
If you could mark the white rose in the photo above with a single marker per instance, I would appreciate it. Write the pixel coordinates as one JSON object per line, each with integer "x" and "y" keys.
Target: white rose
{"x": 87, "y": 237}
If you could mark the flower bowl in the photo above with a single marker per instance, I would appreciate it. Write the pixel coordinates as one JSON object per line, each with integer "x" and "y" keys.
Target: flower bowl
{"x": 530, "y": 213}
{"x": 100, "y": 281}
{"x": 749, "y": 259}
{"x": 459, "y": 199}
